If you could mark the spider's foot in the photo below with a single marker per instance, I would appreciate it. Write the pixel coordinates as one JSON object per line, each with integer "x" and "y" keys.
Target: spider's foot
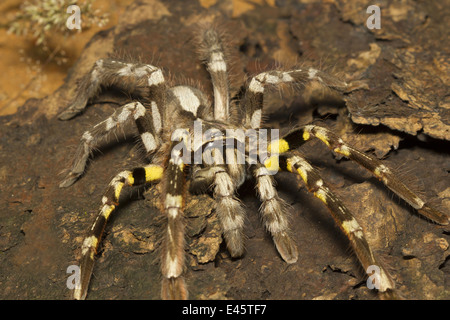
{"x": 79, "y": 294}
{"x": 385, "y": 282}
{"x": 286, "y": 247}
{"x": 434, "y": 215}
{"x": 235, "y": 242}
{"x": 174, "y": 289}
{"x": 68, "y": 114}
{"x": 357, "y": 85}
{"x": 69, "y": 180}
{"x": 72, "y": 111}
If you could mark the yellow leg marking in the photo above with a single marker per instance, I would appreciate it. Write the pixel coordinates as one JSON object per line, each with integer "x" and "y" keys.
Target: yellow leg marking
{"x": 344, "y": 150}
{"x": 322, "y": 136}
{"x": 107, "y": 209}
{"x": 118, "y": 189}
{"x": 289, "y": 165}
{"x": 380, "y": 170}
{"x": 318, "y": 132}
{"x": 153, "y": 173}
{"x": 278, "y": 146}
{"x": 302, "y": 170}
{"x": 303, "y": 174}
{"x": 88, "y": 243}
{"x": 321, "y": 194}
{"x": 272, "y": 163}
{"x": 306, "y": 135}
{"x": 130, "y": 179}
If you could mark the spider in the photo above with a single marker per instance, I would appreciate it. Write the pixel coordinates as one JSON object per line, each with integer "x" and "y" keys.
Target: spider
{"x": 166, "y": 118}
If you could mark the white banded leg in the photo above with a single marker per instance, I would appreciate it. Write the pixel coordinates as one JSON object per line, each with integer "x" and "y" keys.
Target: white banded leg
{"x": 224, "y": 179}
{"x": 142, "y": 80}
{"x": 253, "y": 99}
{"x": 293, "y": 162}
{"x": 172, "y": 258}
{"x": 230, "y": 211}
{"x": 90, "y": 139}
{"x": 110, "y": 201}
{"x": 274, "y": 212}
{"x": 149, "y": 126}
{"x": 190, "y": 100}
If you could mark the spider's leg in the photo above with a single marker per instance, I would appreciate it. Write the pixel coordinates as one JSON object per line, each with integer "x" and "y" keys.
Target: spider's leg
{"x": 110, "y": 200}
{"x": 274, "y": 213}
{"x": 295, "y": 163}
{"x": 230, "y": 211}
{"x": 172, "y": 259}
{"x": 139, "y": 79}
{"x": 224, "y": 173}
{"x": 252, "y": 101}
{"x": 376, "y": 167}
{"x": 212, "y": 53}
{"x": 147, "y": 122}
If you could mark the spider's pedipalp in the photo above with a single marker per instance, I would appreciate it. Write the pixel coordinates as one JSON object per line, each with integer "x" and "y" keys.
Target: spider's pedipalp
{"x": 293, "y": 162}
{"x": 134, "y": 78}
{"x": 202, "y": 178}
{"x": 274, "y": 212}
{"x": 110, "y": 199}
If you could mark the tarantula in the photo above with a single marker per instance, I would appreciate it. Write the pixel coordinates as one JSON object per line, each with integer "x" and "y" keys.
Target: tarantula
{"x": 166, "y": 119}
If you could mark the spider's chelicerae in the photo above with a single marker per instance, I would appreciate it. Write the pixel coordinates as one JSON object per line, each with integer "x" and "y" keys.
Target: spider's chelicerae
{"x": 166, "y": 117}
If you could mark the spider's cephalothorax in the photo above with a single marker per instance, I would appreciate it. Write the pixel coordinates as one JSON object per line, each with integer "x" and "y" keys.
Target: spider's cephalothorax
{"x": 165, "y": 118}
